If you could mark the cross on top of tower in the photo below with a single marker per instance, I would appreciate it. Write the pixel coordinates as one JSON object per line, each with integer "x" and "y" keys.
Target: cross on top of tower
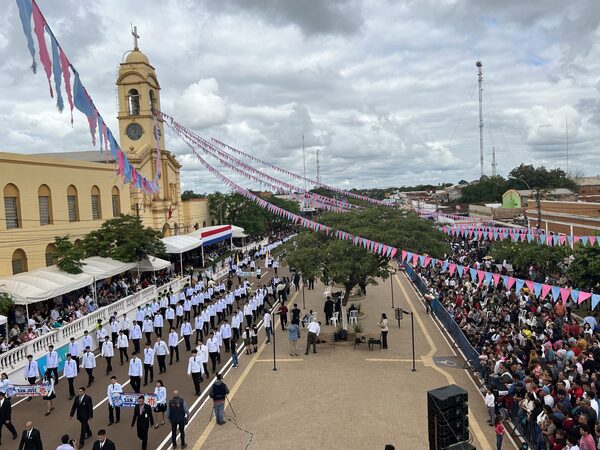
{"x": 136, "y": 36}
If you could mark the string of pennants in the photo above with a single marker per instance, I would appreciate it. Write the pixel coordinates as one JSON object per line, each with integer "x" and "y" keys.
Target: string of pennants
{"x": 299, "y": 177}
{"x": 369, "y": 245}
{"x": 249, "y": 172}
{"x": 58, "y": 69}
{"x": 427, "y": 213}
{"x": 482, "y": 277}
{"x": 510, "y": 234}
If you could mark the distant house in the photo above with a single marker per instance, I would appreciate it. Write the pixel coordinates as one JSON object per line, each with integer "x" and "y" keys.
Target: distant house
{"x": 558, "y": 194}
{"x": 511, "y": 199}
{"x": 589, "y": 189}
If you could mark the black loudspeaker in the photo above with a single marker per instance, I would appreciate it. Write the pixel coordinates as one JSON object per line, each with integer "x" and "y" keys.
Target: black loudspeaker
{"x": 447, "y": 411}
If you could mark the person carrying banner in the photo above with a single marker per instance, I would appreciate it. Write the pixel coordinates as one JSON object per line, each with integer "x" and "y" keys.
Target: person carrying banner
{"x": 31, "y": 372}
{"x": 84, "y": 407}
{"x": 70, "y": 373}
{"x": 112, "y": 391}
{"x": 88, "y": 362}
{"x": 142, "y": 415}
{"x": 5, "y": 416}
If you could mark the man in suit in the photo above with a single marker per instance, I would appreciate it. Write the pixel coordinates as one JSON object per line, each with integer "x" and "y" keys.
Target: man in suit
{"x": 5, "y": 416}
{"x": 31, "y": 438}
{"x": 142, "y": 414}
{"x": 84, "y": 406}
{"x": 102, "y": 443}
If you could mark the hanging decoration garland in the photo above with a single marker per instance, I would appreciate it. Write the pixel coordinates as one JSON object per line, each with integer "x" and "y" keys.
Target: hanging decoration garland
{"x": 58, "y": 68}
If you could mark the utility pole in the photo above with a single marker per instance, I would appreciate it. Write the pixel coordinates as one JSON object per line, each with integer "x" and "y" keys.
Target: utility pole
{"x": 494, "y": 172}
{"x": 479, "y": 66}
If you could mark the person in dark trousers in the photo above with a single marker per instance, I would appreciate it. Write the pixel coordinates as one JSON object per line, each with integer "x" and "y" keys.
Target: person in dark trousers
{"x": 142, "y": 414}
{"x": 102, "y": 443}
{"x": 296, "y": 314}
{"x": 31, "y": 438}
{"x": 177, "y": 413}
{"x": 328, "y": 309}
{"x": 283, "y": 315}
{"x": 218, "y": 393}
{"x": 5, "y": 416}
{"x": 84, "y": 407}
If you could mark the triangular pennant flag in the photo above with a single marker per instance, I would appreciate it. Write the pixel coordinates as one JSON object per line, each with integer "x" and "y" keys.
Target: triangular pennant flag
{"x": 592, "y": 240}
{"x": 585, "y": 240}
{"x": 496, "y": 277}
{"x": 415, "y": 258}
{"x": 545, "y": 289}
{"x": 473, "y": 273}
{"x": 403, "y": 253}
{"x": 445, "y": 266}
{"x": 564, "y": 294}
{"x": 460, "y": 269}
{"x": 529, "y": 285}
{"x": 422, "y": 260}
{"x": 583, "y": 296}
{"x": 537, "y": 289}
{"x": 575, "y": 295}
{"x": 488, "y": 278}
{"x": 556, "y": 293}
{"x": 452, "y": 268}
{"x": 480, "y": 276}
{"x": 595, "y": 300}
{"x": 426, "y": 261}
{"x": 519, "y": 285}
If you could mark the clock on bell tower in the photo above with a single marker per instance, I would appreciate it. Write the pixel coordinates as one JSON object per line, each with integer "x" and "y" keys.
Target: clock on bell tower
{"x": 142, "y": 140}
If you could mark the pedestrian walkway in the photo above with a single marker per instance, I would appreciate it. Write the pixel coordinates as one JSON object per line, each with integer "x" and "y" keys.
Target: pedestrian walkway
{"x": 344, "y": 397}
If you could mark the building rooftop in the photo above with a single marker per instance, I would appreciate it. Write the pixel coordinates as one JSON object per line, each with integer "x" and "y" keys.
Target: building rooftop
{"x": 588, "y": 181}
{"x": 557, "y": 191}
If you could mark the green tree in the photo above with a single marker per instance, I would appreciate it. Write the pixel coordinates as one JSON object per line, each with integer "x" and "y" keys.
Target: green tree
{"x": 6, "y": 303}
{"x": 522, "y": 255}
{"x": 123, "y": 238}
{"x": 540, "y": 178}
{"x": 487, "y": 189}
{"x": 68, "y": 257}
{"x": 217, "y": 206}
{"x": 584, "y": 271}
{"x": 188, "y": 195}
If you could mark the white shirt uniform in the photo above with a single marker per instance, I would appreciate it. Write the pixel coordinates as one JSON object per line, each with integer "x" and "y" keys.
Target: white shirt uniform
{"x": 195, "y": 365}
{"x": 212, "y": 345}
{"x": 173, "y": 339}
{"x": 149, "y": 356}
{"x": 31, "y": 369}
{"x": 74, "y": 349}
{"x": 225, "y": 331}
{"x": 126, "y": 324}
{"x": 135, "y": 367}
{"x": 122, "y": 341}
{"x": 139, "y": 315}
{"x": 314, "y": 327}
{"x": 107, "y": 349}
{"x": 70, "y": 369}
{"x": 198, "y": 322}
{"x": 148, "y": 326}
{"x": 86, "y": 341}
{"x": 202, "y": 353}
{"x": 51, "y": 360}
{"x": 88, "y": 361}
{"x": 161, "y": 395}
{"x": 136, "y": 332}
{"x": 170, "y": 313}
{"x": 113, "y": 389}
{"x": 161, "y": 349}
{"x": 186, "y": 329}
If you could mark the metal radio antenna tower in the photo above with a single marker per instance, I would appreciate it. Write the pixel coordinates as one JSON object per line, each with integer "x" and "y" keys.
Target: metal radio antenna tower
{"x": 318, "y": 167}
{"x": 494, "y": 165}
{"x": 479, "y": 66}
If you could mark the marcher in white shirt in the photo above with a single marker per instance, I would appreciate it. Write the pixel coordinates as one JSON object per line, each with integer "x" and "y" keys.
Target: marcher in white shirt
{"x": 86, "y": 340}
{"x": 136, "y": 336}
{"x": 135, "y": 372}
{"x": 198, "y": 325}
{"x": 30, "y": 372}
{"x": 112, "y": 392}
{"x": 70, "y": 372}
{"x": 213, "y": 350}
{"x": 148, "y": 364}
{"x": 125, "y": 325}
{"x": 314, "y": 329}
{"x": 173, "y": 346}
{"x": 203, "y": 355}
{"x": 108, "y": 352}
{"x": 225, "y": 332}
{"x": 268, "y": 325}
{"x": 75, "y": 351}
{"x": 123, "y": 345}
{"x": 158, "y": 324}
{"x": 160, "y": 391}
{"x": 186, "y": 332}
{"x": 88, "y": 362}
{"x": 161, "y": 351}
{"x": 195, "y": 369}
{"x": 52, "y": 363}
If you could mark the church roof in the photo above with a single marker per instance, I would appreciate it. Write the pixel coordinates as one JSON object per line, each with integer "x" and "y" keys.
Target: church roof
{"x": 135, "y": 56}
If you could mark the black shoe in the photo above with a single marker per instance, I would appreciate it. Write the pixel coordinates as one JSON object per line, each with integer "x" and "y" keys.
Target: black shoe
{"x": 110, "y": 423}
{"x": 306, "y": 353}
{"x": 29, "y": 399}
{"x": 118, "y": 420}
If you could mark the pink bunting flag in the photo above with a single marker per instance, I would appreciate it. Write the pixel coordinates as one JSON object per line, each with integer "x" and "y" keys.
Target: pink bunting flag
{"x": 403, "y": 253}
{"x": 496, "y": 278}
{"x": 415, "y": 258}
{"x": 511, "y": 282}
{"x": 564, "y": 294}
{"x": 452, "y": 268}
{"x": 427, "y": 260}
{"x": 546, "y": 288}
{"x": 39, "y": 24}
{"x": 583, "y": 296}
{"x": 529, "y": 285}
{"x": 480, "y": 276}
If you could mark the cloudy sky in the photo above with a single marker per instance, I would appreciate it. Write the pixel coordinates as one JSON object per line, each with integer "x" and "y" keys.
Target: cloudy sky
{"x": 386, "y": 91}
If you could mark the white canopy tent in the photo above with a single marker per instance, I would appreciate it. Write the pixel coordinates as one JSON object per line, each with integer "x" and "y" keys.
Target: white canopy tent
{"x": 237, "y": 232}
{"x": 178, "y": 245}
{"x": 101, "y": 268}
{"x": 152, "y": 264}
{"x": 42, "y": 284}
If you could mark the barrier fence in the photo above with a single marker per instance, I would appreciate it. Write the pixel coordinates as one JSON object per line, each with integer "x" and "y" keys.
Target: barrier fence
{"x": 527, "y": 427}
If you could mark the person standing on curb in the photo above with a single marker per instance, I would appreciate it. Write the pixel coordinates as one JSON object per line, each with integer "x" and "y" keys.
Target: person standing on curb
{"x": 499, "y": 428}
{"x": 293, "y": 337}
{"x": 218, "y": 393}
{"x": 314, "y": 329}
{"x": 177, "y": 413}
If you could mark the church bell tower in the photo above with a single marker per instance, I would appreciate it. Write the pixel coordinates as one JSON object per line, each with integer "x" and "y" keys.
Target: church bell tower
{"x": 141, "y": 136}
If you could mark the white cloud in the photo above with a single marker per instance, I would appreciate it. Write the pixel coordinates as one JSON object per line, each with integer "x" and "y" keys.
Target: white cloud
{"x": 201, "y": 106}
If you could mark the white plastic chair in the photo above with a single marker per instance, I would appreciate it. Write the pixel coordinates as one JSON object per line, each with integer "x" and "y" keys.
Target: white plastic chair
{"x": 335, "y": 319}
{"x": 353, "y": 317}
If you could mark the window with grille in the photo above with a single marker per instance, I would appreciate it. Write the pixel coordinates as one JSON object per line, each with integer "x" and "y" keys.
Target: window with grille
{"x": 72, "y": 204}
{"x": 50, "y": 260}
{"x": 44, "y": 203}
{"x": 116, "y": 204}
{"x": 95, "y": 207}
{"x": 11, "y": 212}
{"x": 18, "y": 266}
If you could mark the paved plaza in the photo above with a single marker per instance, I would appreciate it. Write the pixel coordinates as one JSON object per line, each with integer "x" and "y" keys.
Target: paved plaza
{"x": 344, "y": 398}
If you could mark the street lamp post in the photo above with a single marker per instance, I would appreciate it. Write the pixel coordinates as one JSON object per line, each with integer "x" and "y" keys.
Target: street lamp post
{"x": 303, "y": 300}
{"x": 412, "y": 332}
{"x": 392, "y": 272}
{"x": 274, "y": 329}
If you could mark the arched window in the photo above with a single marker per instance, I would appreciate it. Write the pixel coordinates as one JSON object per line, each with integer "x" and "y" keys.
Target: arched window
{"x": 166, "y": 231}
{"x": 152, "y": 100}
{"x": 45, "y": 204}
{"x": 203, "y": 223}
{"x": 12, "y": 206}
{"x": 72, "y": 204}
{"x": 96, "y": 205}
{"x": 50, "y": 258}
{"x": 133, "y": 99}
{"x": 116, "y": 202}
{"x": 19, "y": 261}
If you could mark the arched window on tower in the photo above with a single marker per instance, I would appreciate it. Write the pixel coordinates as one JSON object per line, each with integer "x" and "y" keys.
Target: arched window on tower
{"x": 134, "y": 102}
{"x": 152, "y": 100}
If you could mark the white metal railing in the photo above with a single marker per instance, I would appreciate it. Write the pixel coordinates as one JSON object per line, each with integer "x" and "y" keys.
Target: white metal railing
{"x": 61, "y": 336}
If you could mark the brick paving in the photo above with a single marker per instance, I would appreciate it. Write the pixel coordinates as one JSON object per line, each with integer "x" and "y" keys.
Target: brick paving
{"x": 342, "y": 398}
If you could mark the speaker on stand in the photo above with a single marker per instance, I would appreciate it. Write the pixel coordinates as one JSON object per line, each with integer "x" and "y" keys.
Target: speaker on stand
{"x": 447, "y": 412}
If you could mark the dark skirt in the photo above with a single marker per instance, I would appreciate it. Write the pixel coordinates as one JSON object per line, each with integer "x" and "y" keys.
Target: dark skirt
{"x": 49, "y": 397}
{"x": 161, "y": 407}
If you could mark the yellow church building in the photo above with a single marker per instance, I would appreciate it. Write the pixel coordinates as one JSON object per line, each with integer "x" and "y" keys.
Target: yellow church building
{"x": 57, "y": 194}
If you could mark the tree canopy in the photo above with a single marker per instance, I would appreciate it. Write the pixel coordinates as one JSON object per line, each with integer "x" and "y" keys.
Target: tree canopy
{"x": 123, "y": 238}
{"x": 522, "y": 255}
{"x": 584, "y": 271}
{"x": 188, "y": 195}
{"x": 68, "y": 257}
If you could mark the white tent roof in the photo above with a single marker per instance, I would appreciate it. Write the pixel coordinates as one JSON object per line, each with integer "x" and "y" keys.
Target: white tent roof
{"x": 42, "y": 284}
{"x": 181, "y": 244}
{"x": 101, "y": 268}
{"x": 152, "y": 264}
{"x": 238, "y": 232}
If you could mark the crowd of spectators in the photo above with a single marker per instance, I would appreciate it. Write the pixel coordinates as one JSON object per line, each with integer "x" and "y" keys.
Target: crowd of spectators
{"x": 540, "y": 360}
